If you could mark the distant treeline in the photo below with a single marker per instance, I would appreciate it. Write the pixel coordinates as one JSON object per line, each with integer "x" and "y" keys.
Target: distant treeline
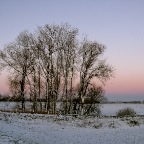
{"x": 127, "y": 102}
{"x": 7, "y": 98}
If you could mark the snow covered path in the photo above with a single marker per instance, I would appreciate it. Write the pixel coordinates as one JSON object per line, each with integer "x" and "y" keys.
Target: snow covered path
{"x": 44, "y": 132}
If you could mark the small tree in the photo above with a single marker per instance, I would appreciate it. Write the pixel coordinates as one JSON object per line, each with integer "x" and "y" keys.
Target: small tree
{"x": 16, "y": 57}
{"x": 94, "y": 97}
{"x": 14, "y": 86}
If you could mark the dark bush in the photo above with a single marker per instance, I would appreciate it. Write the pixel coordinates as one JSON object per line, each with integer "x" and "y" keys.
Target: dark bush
{"x": 133, "y": 123}
{"x": 126, "y": 112}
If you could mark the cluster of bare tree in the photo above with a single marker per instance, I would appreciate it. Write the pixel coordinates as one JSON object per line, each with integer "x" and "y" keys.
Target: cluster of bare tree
{"x": 48, "y": 64}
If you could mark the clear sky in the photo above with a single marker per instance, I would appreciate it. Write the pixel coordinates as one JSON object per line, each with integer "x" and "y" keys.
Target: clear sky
{"x": 119, "y": 25}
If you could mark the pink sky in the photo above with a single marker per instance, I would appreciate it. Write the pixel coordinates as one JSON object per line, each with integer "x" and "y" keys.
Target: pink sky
{"x": 3, "y": 83}
{"x": 126, "y": 83}
{"x": 122, "y": 83}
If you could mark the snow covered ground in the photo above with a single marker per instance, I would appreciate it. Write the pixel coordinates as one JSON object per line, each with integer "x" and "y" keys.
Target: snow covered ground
{"x": 47, "y": 129}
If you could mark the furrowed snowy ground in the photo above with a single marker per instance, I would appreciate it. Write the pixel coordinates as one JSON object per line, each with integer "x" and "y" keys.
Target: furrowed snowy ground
{"x": 46, "y": 129}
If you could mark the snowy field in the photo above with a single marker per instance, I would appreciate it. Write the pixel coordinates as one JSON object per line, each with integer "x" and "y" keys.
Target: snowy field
{"x": 107, "y": 109}
{"x": 111, "y": 109}
{"x": 46, "y": 129}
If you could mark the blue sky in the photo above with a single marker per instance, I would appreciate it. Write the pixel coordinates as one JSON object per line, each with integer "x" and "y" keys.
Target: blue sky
{"x": 119, "y": 25}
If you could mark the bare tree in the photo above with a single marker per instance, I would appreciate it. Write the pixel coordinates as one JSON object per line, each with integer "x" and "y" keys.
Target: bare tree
{"x": 92, "y": 67}
{"x": 16, "y": 56}
{"x": 56, "y": 44}
{"x": 49, "y": 60}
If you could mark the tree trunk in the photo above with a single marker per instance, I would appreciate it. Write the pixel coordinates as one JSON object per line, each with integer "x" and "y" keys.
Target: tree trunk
{"x": 39, "y": 88}
{"x": 35, "y": 93}
{"x": 22, "y": 91}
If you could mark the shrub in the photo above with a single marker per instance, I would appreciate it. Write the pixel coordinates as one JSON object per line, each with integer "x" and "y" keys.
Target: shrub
{"x": 98, "y": 125}
{"x": 112, "y": 125}
{"x": 126, "y": 112}
{"x": 133, "y": 123}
